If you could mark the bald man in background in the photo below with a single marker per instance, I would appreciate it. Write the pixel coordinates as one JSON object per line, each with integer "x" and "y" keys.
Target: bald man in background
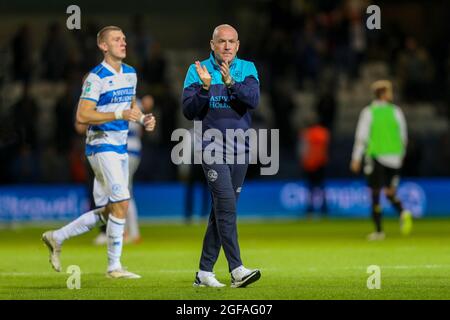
{"x": 219, "y": 92}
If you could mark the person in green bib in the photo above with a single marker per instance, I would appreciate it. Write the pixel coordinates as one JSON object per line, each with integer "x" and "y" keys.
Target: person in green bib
{"x": 380, "y": 139}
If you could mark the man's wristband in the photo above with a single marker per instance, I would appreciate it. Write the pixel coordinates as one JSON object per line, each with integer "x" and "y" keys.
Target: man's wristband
{"x": 141, "y": 119}
{"x": 118, "y": 114}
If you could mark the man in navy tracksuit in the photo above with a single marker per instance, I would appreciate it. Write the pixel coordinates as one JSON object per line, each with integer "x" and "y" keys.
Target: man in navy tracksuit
{"x": 219, "y": 92}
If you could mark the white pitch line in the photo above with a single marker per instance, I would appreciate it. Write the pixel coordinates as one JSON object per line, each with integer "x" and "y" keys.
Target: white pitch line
{"x": 26, "y": 273}
{"x": 426, "y": 266}
{"x": 310, "y": 269}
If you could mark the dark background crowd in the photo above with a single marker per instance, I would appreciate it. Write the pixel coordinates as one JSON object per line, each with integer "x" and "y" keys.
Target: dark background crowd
{"x": 316, "y": 60}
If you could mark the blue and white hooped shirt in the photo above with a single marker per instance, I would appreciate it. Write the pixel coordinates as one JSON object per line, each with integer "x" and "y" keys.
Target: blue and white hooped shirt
{"x": 135, "y": 131}
{"x": 112, "y": 91}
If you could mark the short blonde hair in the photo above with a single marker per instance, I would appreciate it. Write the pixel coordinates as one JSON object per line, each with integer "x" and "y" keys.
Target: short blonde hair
{"x": 380, "y": 87}
{"x": 104, "y": 31}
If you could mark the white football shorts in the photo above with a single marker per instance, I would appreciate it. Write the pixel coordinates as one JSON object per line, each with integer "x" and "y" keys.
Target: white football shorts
{"x": 111, "y": 177}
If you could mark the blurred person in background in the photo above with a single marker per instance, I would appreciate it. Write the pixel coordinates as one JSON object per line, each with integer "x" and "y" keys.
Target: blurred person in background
{"x": 314, "y": 142}
{"x": 415, "y": 71}
{"x": 154, "y": 67}
{"x": 140, "y": 41}
{"x": 54, "y": 57}
{"x": 381, "y": 138}
{"x": 193, "y": 175}
{"x": 22, "y": 54}
{"x": 25, "y": 116}
{"x": 326, "y": 105}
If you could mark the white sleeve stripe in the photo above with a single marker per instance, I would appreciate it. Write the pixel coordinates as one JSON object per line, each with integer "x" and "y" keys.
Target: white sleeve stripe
{"x": 402, "y": 124}
{"x": 362, "y": 133}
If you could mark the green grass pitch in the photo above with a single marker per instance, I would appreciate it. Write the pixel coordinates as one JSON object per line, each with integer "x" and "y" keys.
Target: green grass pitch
{"x": 325, "y": 259}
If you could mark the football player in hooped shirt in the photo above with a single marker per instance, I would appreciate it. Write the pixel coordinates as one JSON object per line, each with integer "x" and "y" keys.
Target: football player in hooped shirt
{"x": 219, "y": 92}
{"x": 107, "y": 104}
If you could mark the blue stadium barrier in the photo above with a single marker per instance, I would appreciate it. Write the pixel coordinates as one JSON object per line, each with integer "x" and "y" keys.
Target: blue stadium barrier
{"x": 280, "y": 199}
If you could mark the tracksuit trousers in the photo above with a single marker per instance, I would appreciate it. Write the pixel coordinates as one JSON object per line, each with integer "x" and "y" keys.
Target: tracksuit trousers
{"x": 225, "y": 183}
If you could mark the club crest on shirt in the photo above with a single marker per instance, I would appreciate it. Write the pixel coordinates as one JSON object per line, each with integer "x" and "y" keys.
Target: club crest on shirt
{"x": 237, "y": 74}
{"x": 212, "y": 175}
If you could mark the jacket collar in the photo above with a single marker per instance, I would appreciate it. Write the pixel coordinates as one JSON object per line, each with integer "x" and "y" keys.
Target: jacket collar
{"x": 213, "y": 61}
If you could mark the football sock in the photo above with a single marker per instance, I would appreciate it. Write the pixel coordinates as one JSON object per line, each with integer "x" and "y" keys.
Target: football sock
{"x": 376, "y": 216}
{"x": 114, "y": 232}
{"x": 132, "y": 220}
{"x": 396, "y": 203}
{"x": 376, "y": 210}
{"x": 81, "y": 225}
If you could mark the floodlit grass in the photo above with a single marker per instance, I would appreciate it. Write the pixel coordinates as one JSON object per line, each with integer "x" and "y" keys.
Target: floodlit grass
{"x": 325, "y": 259}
